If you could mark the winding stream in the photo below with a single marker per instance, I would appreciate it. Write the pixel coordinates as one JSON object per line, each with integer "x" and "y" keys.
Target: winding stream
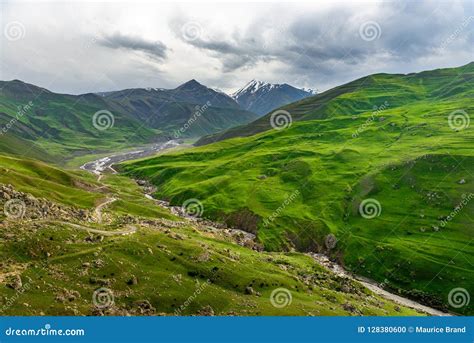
{"x": 99, "y": 166}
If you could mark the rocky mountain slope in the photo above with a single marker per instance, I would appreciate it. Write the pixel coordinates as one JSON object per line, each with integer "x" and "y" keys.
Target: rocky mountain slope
{"x": 262, "y": 97}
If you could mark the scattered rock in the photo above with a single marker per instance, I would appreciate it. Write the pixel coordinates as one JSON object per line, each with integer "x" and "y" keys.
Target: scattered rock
{"x": 15, "y": 282}
{"x": 206, "y": 311}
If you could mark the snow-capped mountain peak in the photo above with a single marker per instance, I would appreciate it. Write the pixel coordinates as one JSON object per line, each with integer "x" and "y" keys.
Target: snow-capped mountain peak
{"x": 261, "y": 97}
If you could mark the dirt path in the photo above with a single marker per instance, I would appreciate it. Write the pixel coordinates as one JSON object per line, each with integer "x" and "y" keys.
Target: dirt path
{"x": 131, "y": 229}
{"x": 99, "y": 166}
{"x": 98, "y": 209}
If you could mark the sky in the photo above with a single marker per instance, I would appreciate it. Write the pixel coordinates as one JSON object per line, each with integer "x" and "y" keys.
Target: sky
{"x": 79, "y": 47}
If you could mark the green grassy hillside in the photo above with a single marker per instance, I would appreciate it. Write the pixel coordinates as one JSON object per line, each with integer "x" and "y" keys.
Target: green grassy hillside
{"x": 37, "y": 123}
{"x": 391, "y": 138}
{"x": 53, "y": 266}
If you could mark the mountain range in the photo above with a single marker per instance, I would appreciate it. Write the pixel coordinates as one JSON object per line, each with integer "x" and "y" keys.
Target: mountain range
{"x": 56, "y": 123}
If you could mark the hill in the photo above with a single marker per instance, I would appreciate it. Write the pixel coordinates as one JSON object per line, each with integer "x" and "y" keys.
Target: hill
{"x": 381, "y": 163}
{"x": 71, "y": 244}
{"x": 37, "y": 123}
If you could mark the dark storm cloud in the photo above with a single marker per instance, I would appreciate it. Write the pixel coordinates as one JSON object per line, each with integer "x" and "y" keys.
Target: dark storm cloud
{"x": 154, "y": 49}
{"x": 332, "y": 40}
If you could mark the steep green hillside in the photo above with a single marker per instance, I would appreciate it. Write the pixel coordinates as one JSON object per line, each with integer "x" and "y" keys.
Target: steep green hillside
{"x": 364, "y": 94}
{"x": 140, "y": 260}
{"x": 37, "y": 123}
{"x": 63, "y": 125}
{"x": 401, "y": 141}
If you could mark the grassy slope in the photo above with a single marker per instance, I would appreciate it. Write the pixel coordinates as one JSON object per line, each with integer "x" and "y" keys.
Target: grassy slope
{"x": 50, "y": 259}
{"x": 244, "y": 180}
{"x": 61, "y": 124}
{"x": 59, "y": 127}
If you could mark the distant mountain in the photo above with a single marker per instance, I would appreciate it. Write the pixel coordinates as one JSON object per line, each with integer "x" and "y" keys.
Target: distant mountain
{"x": 54, "y": 127}
{"x": 261, "y": 97}
{"x": 171, "y": 109}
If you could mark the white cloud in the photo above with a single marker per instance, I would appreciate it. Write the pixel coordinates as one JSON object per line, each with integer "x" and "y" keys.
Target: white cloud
{"x": 305, "y": 44}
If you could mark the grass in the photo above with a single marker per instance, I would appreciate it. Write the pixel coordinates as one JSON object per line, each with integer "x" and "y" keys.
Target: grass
{"x": 61, "y": 267}
{"x": 295, "y": 186}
